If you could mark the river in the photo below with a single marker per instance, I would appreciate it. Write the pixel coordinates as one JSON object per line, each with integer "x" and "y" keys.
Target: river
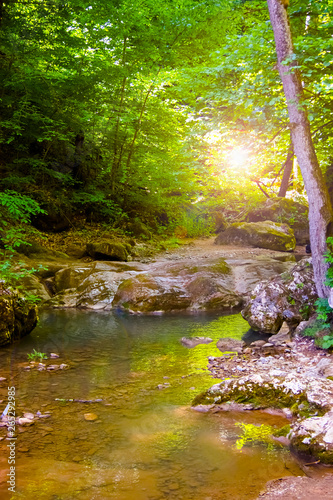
{"x": 146, "y": 443}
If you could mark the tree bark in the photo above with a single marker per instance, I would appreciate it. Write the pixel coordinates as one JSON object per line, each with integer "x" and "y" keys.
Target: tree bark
{"x": 288, "y": 168}
{"x": 320, "y": 209}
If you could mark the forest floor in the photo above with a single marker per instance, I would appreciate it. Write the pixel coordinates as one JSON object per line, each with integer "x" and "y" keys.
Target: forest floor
{"x": 205, "y": 247}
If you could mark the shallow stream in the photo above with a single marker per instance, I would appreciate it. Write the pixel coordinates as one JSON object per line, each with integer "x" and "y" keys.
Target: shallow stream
{"x": 146, "y": 443}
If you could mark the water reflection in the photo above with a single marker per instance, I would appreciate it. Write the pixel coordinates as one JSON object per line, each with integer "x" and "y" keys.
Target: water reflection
{"x": 145, "y": 438}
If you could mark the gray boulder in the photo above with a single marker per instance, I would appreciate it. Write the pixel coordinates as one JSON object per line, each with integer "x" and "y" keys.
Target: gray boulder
{"x": 265, "y": 234}
{"x": 107, "y": 250}
{"x": 286, "y": 211}
{"x": 290, "y": 297}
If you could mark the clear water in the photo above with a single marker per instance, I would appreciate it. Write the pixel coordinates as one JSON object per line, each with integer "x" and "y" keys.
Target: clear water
{"x": 147, "y": 443}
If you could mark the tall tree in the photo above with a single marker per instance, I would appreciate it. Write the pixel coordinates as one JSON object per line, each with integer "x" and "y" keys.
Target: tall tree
{"x": 320, "y": 209}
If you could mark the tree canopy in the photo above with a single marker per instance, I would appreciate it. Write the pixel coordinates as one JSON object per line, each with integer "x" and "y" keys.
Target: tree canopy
{"x": 113, "y": 108}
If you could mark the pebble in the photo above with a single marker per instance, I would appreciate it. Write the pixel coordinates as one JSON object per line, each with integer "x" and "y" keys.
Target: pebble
{"x": 90, "y": 417}
{"x": 54, "y": 355}
{"x": 30, "y": 416}
{"x": 24, "y": 421}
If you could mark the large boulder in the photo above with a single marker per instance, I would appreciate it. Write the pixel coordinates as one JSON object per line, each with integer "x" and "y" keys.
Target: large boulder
{"x": 18, "y": 317}
{"x": 265, "y": 234}
{"x": 175, "y": 287}
{"x": 289, "y": 297}
{"x": 286, "y": 211}
{"x": 70, "y": 277}
{"x": 107, "y": 250}
{"x": 308, "y": 396}
{"x": 146, "y": 294}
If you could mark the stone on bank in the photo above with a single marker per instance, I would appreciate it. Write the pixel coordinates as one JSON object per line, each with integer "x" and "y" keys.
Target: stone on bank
{"x": 18, "y": 317}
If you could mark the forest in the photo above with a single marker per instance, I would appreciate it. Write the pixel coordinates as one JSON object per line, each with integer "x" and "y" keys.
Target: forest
{"x": 138, "y": 138}
{"x": 165, "y": 111}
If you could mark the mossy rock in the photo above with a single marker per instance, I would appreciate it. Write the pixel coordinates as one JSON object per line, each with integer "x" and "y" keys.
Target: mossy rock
{"x": 107, "y": 250}
{"x": 34, "y": 250}
{"x": 70, "y": 277}
{"x": 18, "y": 317}
{"x": 265, "y": 234}
{"x": 284, "y": 210}
{"x": 144, "y": 294}
{"x": 206, "y": 293}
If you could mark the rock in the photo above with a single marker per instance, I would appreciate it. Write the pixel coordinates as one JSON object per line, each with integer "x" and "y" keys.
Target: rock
{"x": 286, "y": 211}
{"x": 304, "y": 395}
{"x": 230, "y": 345}
{"x": 107, "y": 250}
{"x": 25, "y": 422}
{"x": 194, "y": 341}
{"x": 300, "y": 488}
{"x": 75, "y": 250}
{"x": 286, "y": 298}
{"x": 33, "y": 249}
{"x": 70, "y": 277}
{"x": 64, "y": 299}
{"x": 98, "y": 290}
{"x": 283, "y": 336}
{"x": 265, "y": 234}
{"x": 315, "y": 436}
{"x": 146, "y": 294}
{"x": 18, "y": 317}
{"x": 90, "y": 417}
{"x": 258, "y": 343}
{"x": 208, "y": 294}
{"x": 30, "y": 416}
{"x": 53, "y": 355}
{"x": 33, "y": 286}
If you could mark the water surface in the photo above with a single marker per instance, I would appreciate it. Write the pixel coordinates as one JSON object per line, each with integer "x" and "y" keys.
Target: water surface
{"x": 147, "y": 443}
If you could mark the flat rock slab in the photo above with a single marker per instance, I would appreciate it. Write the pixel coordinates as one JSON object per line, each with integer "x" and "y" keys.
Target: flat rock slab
{"x": 299, "y": 488}
{"x": 199, "y": 277}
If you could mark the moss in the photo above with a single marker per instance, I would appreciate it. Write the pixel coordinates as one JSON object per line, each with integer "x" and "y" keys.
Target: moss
{"x": 312, "y": 448}
{"x": 221, "y": 267}
{"x": 265, "y": 396}
{"x": 283, "y": 431}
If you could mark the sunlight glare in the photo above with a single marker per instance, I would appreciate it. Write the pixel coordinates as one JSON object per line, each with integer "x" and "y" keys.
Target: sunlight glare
{"x": 238, "y": 157}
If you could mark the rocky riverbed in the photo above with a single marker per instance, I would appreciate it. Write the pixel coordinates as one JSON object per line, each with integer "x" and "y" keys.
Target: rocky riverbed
{"x": 287, "y": 376}
{"x": 285, "y": 373}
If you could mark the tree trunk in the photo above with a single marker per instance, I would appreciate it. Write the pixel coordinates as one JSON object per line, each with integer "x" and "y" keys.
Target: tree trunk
{"x": 320, "y": 209}
{"x": 288, "y": 168}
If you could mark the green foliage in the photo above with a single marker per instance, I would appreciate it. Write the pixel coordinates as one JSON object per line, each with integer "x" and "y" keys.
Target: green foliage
{"x": 12, "y": 273}
{"x": 36, "y": 355}
{"x": 323, "y": 310}
{"x": 255, "y": 434}
{"x": 164, "y": 97}
{"x": 196, "y": 224}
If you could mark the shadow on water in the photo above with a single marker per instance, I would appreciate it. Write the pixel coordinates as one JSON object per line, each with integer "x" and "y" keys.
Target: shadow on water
{"x": 144, "y": 439}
